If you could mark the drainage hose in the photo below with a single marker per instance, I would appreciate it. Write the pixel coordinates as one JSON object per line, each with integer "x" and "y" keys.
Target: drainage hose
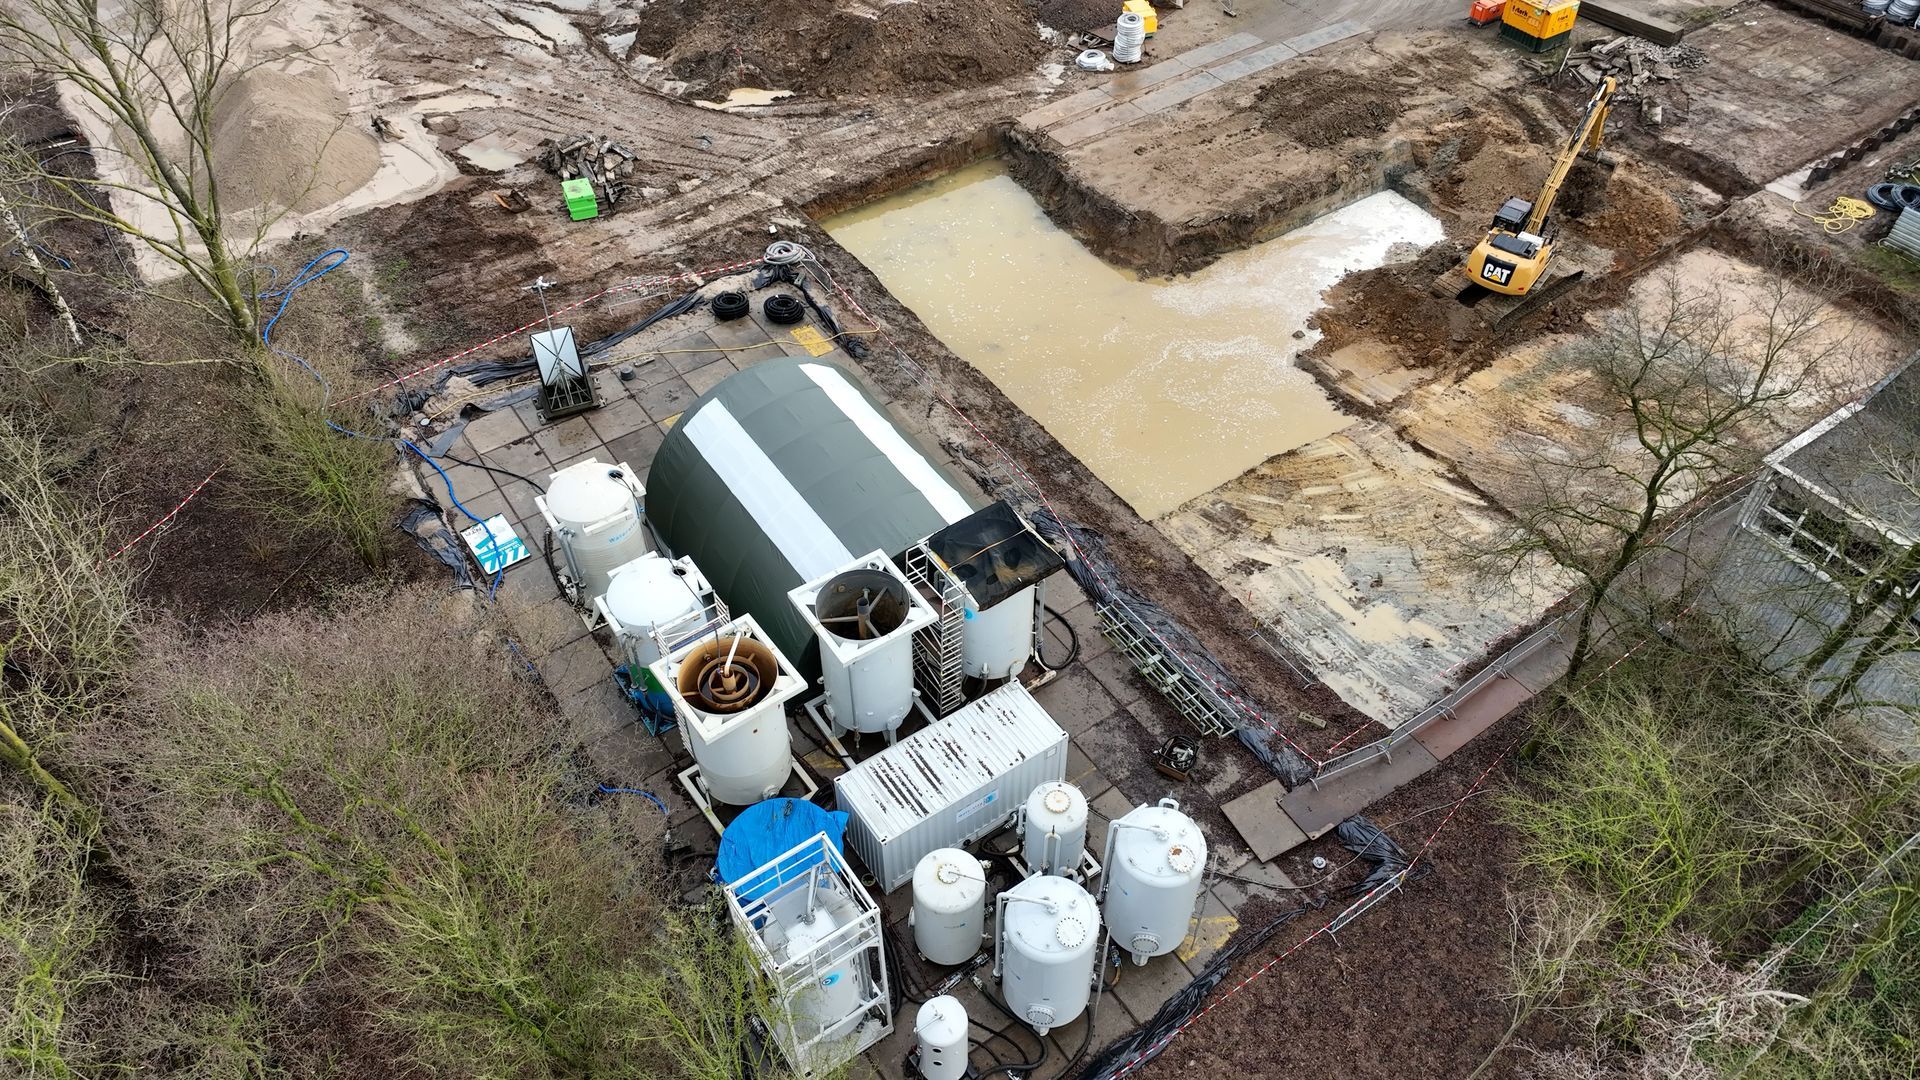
{"x": 783, "y": 310}
{"x": 1073, "y": 644}
{"x": 729, "y": 305}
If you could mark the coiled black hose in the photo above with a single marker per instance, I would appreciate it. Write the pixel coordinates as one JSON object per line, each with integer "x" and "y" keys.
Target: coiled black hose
{"x": 783, "y": 310}
{"x": 729, "y": 305}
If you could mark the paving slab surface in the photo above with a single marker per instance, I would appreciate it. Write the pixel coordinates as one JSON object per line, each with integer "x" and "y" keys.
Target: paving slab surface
{"x": 1265, "y": 827}
{"x": 1316, "y": 812}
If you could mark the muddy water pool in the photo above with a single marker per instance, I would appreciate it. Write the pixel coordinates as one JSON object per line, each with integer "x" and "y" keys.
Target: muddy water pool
{"x": 1165, "y": 388}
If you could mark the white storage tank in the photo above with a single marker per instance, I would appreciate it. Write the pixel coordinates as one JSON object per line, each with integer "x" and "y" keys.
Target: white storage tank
{"x": 949, "y": 916}
{"x": 1054, "y": 830}
{"x": 842, "y": 986}
{"x": 1047, "y": 940}
{"x": 593, "y": 509}
{"x": 817, "y": 942}
{"x": 1156, "y": 860}
{"x": 940, "y": 1033}
{"x": 653, "y": 604}
{"x": 995, "y": 642}
{"x": 730, "y": 691}
{"x": 864, "y": 615}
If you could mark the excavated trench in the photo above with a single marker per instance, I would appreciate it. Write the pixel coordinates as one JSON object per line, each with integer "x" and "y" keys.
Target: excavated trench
{"x": 1165, "y": 388}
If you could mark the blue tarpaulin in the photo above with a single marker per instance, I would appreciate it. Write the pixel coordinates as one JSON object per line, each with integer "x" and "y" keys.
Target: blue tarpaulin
{"x": 767, "y": 830}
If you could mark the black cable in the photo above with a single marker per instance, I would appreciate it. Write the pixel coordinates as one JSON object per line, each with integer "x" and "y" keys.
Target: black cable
{"x": 546, "y": 550}
{"x": 535, "y": 484}
{"x": 1023, "y": 1066}
{"x": 1073, "y": 643}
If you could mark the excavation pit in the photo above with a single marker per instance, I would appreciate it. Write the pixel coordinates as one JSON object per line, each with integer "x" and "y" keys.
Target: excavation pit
{"x": 1164, "y": 388}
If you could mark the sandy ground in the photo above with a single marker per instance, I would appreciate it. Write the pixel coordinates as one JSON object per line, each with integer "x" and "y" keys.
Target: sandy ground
{"x": 1356, "y": 550}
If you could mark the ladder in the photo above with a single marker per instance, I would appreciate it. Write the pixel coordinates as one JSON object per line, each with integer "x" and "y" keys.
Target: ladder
{"x": 937, "y": 657}
{"x": 1167, "y": 674}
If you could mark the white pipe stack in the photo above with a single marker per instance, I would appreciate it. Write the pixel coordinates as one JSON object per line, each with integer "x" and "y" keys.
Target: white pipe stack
{"x": 1129, "y": 37}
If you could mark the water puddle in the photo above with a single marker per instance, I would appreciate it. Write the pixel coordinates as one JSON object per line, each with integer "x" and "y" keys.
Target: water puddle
{"x": 1164, "y": 388}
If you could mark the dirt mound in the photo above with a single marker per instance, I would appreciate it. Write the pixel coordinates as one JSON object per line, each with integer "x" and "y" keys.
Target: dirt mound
{"x": 1321, "y": 109}
{"x": 289, "y": 141}
{"x": 1633, "y": 218}
{"x": 829, "y": 48}
{"x": 1077, "y": 14}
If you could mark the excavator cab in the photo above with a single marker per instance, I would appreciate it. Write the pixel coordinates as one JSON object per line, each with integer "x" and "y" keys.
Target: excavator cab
{"x": 1512, "y": 215}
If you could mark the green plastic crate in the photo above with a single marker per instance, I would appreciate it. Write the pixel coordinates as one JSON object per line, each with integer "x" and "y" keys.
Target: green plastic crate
{"x": 582, "y": 203}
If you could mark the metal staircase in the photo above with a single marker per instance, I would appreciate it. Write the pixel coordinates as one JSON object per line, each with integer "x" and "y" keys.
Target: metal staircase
{"x": 937, "y": 667}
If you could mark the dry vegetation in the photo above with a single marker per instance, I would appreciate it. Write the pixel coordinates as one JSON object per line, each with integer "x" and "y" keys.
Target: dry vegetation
{"x": 1718, "y": 882}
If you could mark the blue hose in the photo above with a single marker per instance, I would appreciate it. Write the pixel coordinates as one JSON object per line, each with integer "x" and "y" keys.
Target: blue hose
{"x": 650, "y": 796}
{"x": 318, "y": 267}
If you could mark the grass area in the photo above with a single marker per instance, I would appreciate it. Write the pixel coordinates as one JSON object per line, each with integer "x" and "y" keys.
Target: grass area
{"x": 1896, "y": 270}
{"x": 349, "y": 841}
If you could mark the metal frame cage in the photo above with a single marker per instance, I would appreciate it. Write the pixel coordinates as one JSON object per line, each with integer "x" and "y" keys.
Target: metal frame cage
{"x": 808, "y": 876}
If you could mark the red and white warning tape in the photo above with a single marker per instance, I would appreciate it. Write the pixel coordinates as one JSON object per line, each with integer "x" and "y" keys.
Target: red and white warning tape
{"x": 171, "y": 514}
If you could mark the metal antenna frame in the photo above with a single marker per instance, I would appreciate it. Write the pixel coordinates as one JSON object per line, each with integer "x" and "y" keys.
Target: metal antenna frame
{"x": 539, "y": 288}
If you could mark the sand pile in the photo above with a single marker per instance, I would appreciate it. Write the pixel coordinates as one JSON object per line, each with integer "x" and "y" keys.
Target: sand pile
{"x": 288, "y": 141}
{"x": 829, "y": 48}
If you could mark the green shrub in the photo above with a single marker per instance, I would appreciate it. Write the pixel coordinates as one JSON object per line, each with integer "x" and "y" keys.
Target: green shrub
{"x": 317, "y": 482}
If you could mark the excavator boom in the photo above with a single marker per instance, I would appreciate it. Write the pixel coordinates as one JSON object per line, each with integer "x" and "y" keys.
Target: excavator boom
{"x": 1592, "y": 125}
{"x": 1518, "y": 247}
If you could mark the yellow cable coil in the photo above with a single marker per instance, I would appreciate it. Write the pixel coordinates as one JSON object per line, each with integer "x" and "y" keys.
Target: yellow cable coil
{"x": 1844, "y": 214}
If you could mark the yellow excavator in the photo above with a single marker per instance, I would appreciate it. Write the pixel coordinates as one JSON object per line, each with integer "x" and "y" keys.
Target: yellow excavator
{"x": 1514, "y": 255}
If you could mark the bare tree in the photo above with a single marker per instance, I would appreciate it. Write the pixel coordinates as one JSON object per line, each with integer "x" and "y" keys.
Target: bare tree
{"x": 1689, "y": 388}
{"x": 156, "y": 69}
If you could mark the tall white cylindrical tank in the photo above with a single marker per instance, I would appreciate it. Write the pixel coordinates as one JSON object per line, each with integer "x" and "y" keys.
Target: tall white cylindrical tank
{"x": 1055, "y": 829}
{"x": 836, "y": 994}
{"x": 864, "y": 616}
{"x": 729, "y": 692}
{"x": 940, "y": 1032}
{"x": 995, "y": 643}
{"x": 949, "y": 906}
{"x": 593, "y": 509}
{"x": 1048, "y": 941}
{"x": 647, "y": 599}
{"x": 1156, "y": 861}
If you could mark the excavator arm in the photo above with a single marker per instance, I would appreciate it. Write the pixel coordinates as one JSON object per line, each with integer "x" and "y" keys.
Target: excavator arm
{"x": 1592, "y": 126}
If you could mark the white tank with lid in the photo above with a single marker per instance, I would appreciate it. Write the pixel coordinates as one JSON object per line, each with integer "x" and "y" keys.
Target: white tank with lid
{"x": 940, "y": 1029}
{"x": 949, "y": 915}
{"x": 995, "y": 643}
{"x": 1048, "y": 938}
{"x": 1055, "y": 832}
{"x": 1156, "y": 860}
{"x": 649, "y": 602}
{"x": 593, "y": 509}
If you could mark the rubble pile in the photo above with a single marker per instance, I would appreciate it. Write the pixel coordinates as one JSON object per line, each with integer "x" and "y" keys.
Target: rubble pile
{"x": 1634, "y": 61}
{"x": 604, "y": 162}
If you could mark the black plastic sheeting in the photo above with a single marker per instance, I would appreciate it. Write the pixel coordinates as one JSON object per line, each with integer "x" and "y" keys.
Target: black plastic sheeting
{"x": 1146, "y": 1042}
{"x": 994, "y": 554}
{"x": 1100, "y": 578}
{"x": 1365, "y": 839}
{"x": 424, "y": 523}
{"x": 487, "y": 372}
